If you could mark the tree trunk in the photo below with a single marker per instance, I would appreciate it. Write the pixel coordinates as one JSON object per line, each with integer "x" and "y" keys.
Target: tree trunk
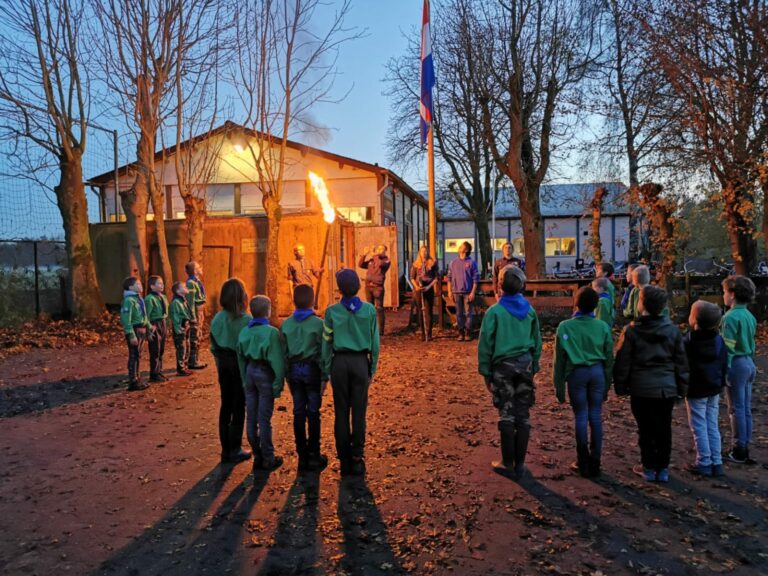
{"x": 743, "y": 245}
{"x": 83, "y": 282}
{"x": 274, "y": 216}
{"x": 134, "y": 203}
{"x": 764, "y": 186}
{"x": 484, "y": 249}
{"x": 595, "y": 241}
{"x": 194, "y": 212}
{"x": 533, "y": 231}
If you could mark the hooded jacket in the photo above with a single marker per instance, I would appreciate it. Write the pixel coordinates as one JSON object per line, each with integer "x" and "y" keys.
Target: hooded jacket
{"x": 651, "y": 360}
{"x": 708, "y": 362}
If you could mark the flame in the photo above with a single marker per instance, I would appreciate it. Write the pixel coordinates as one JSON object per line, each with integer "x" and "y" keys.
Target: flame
{"x": 321, "y": 191}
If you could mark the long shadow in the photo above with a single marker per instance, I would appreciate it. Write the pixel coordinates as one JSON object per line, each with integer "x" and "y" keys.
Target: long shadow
{"x": 366, "y": 544}
{"x": 190, "y": 539}
{"x": 295, "y": 548}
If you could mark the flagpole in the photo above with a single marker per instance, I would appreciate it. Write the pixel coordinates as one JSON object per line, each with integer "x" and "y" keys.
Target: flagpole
{"x": 431, "y": 184}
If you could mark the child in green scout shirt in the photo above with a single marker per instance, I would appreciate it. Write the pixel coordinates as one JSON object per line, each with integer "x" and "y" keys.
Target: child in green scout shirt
{"x": 133, "y": 317}
{"x": 157, "y": 312}
{"x": 261, "y": 357}
{"x": 350, "y": 356}
{"x": 181, "y": 318}
{"x": 303, "y": 336}
{"x": 196, "y": 300}
{"x": 605, "y": 307}
{"x": 738, "y": 330}
{"x": 584, "y": 363}
{"x": 641, "y": 277}
{"x": 225, "y": 331}
{"x": 508, "y": 357}
{"x": 606, "y": 270}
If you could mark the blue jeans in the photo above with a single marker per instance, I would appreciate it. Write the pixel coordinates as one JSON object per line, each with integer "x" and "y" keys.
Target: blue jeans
{"x": 463, "y": 312}
{"x": 586, "y": 391}
{"x": 304, "y": 382}
{"x": 702, "y": 418}
{"x": 741, "y": 376}
{"x": 259, "y": 405}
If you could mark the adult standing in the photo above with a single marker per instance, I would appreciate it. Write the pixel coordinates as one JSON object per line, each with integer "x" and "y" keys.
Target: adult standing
{"x": 506, "y": 260}
{"x": 376, "y": 263}
{"x": 301, "y": 270}
{"x": 424, "y": 279}
{"x": 463, "y": 277}
{"x": 196, "y": 300}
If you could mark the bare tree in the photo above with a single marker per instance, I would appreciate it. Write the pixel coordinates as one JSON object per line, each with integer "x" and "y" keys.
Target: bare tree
{"x": 45, "y": 101}
{"x": 539, "y": 53}
{"x": 596, "y": 207}
{"x": 466, "y": 170}
{"x": 283, "y": 68}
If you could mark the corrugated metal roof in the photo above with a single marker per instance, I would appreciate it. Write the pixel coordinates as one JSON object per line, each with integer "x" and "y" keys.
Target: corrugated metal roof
{"x": 556, "y": 200}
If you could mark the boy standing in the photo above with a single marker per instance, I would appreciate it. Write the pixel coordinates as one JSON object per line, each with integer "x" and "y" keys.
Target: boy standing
{"x": 133, "y": 317}
{"x": 739, "y": 326}
{"x": 651, "y": 366}
{"x": 708, "y": 362}
{"x": 508, "y": 358}
{"x": 196, "y": 300}
{"x": 605, "y": 308}
{"x": 181, "y": 318}
{"x": 463, "y": 277}
{"x": 350, "y": 355}
{"x": 262, "y": 368}
{"x": 303, "y": 336}
{"x": 157, "y": 313}
{"x": 606, "y": 270}
{"x": 628, "y": 289}
{"x": 641, "y": 277}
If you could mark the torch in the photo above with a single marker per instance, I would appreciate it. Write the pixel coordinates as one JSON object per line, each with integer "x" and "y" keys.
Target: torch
{"x": 329, "y": 215}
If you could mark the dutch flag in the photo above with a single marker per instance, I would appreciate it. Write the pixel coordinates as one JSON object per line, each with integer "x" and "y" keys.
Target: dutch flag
{"x": 427, "y": 76}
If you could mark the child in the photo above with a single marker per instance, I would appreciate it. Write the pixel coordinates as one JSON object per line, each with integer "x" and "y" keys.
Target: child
{"x": 262, "y": 368}
{"x": 628, "y": 289}
{"x": 584, "y": 361}
{"x": 463, "y": 277}
{"x": 641, "y": 277}
{"x": 739, "y": 334}
{"x": 133, "y": 317}
{"x": 181, "y": 318}
{"x": 196, "y": 300}
{"x": 651, "y": 366}
{"x": 225, "y": 331}
{"x": 605, "y": 309}
{"x": 606, "y": 270}
{"x": 708, "y": 362}
{"x": 303, "y": 336}
{"x": 157, "y": 312}
{"x": 508, "y": 357}
{"x": 350, "y": 356}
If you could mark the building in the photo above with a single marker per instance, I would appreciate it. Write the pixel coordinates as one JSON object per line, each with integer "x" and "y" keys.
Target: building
{"x": 567, "y": 222}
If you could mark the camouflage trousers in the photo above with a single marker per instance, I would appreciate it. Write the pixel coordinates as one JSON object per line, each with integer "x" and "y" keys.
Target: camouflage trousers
{"x": 513, "y": 390}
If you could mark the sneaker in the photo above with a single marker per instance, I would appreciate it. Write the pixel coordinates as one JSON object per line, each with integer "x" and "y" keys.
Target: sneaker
{"x": 718, "y": 471}
{"x": 183, "y": 372}
{"x": 737, "y": 455}
{"x": 156, "y": 378}
{"x": 137, "y": 385}
{"x": 646, "y": 474}
{"x": 663, "y": 475}
{"x": 162, "y": 377}
{"x": 273, "y": 464}
{"x": 460, "y": 337}
{"x": 699, "y": 470}
{"x": 197, "y": 366}
{"x": 240, "y": 455}
{"x": 749, "y": 461}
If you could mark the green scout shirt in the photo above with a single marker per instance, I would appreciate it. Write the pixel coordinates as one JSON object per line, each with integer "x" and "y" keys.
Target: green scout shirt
{"x": 195, "y": 296}
{"x": 738, "y": 330}
{"x": 157, "y": 306}
{"x": 132, "y": 313}
{"x": 262, "y": 343}
{"x": 504, "y": 336}
{"x": 581, "y": 341}
{"x": 612, "y": 291}
{"x": 179, "y": 312}
{"x": 225, "y": 330}
{"x": 630, "y": 311}
{"x": 303, "y": 340}
{"x": 350, "y": 332}
{"x": 605, "y": 311}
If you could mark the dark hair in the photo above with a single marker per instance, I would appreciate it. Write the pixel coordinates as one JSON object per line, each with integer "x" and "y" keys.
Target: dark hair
{"x": 586, "y": 300}
{"x": 153, "y": 280}
{"x": 303, "y": 296}
{"x": 654, "y": 299}
{"x": 467, "y": 247}
{"x": 260, "y": 306}
{"x": 128, "y": 282}
{"x": 233, "y": 297}
{"x": 176, "y": 286}
{"x": 742, "y": 287}
{"x": 607, "y": 268}
{"x": 189, "y": 267}
{"x": 708, "y": 315}
{"x": 512, "y": 279}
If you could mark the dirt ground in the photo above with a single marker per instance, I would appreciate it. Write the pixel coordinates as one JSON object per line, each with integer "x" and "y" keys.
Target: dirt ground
{"x": 98, "y": 480}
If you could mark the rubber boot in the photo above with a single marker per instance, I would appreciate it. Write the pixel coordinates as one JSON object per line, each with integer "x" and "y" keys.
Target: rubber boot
{"x": 582, "y": 460}
{"x": 521, "y": 449}
{"x": 506, "y": 466}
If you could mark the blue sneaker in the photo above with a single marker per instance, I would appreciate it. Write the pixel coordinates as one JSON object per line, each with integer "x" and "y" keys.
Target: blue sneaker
{"x": 647, "y": 474}
{"x": 663, "y": 475}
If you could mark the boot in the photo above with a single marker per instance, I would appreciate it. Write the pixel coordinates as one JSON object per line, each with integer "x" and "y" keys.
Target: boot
{"x": 594, "y": 466}
{"x": 522, "y": 435}
{"x": 506, "y": 466}
{"x": 460, "y": 338}
{"x": 582, "y": 460}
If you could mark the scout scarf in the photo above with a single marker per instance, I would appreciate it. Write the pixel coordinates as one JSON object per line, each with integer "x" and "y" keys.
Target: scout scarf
{"x": 302, "y": 314}
{"x": 515, "y": 305}
{"x": 258, "y": 322}
{"x": 352, "y": 303}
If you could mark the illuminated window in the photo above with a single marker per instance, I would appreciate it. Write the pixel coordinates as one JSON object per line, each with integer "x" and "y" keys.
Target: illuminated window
{"x": 452, "y": 244}
{"x": 561, "y": 247}
{"x": 357, "y": 215}
{"x": 518, "y": 247}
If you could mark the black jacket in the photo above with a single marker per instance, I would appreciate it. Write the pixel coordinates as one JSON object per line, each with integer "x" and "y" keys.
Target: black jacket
{"x": 651, "y": 360}
{"x": 708, "y": 362}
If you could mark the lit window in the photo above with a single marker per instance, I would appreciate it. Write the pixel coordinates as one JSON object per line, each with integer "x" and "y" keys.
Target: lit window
{"x": 518, "y": 247}
{"x": 561, "y": 247}
{"x": 357, "y": 215}
{"x": 452, "y": 244}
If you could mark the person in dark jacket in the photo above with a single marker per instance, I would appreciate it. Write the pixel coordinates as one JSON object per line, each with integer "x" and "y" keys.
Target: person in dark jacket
{"x": 506, "y": 260}
{"x": 708, "y": 361}
{"x": 652, "y": 368}
{"x": 424, "y": 279}
{"x": 376, "y": 263}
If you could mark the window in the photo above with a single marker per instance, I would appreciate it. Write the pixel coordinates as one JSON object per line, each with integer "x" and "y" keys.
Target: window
{"x": 499, "y": 244}
{"x": 388, "y": 202}
{"x": 452, "y": 244}
{"x": 357, "y": 215}
{"x": 561, "y": 247}
{"x": 250, "y": 198}
{"x": 221, "y": 199}
{"x": 518, "y": 247}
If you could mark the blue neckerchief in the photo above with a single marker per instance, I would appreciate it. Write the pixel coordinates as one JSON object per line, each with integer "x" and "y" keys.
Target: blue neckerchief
{"x": 515, "y": 305}
{"x": 132, "y": 294}
{"x": 578, "y": 314}
{"x": 302, "y": 314}
{"x": 352, "y": 303}
{"x": 605, "y": 295}
{"x": 258, "y": 322}
{"x": 162, "y": 301}
{"x": 199, "y": 283}
{"x": 627, "y": 293}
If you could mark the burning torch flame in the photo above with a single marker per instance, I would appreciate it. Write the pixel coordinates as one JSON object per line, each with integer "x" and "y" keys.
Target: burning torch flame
{"x": 321, "y": 191}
